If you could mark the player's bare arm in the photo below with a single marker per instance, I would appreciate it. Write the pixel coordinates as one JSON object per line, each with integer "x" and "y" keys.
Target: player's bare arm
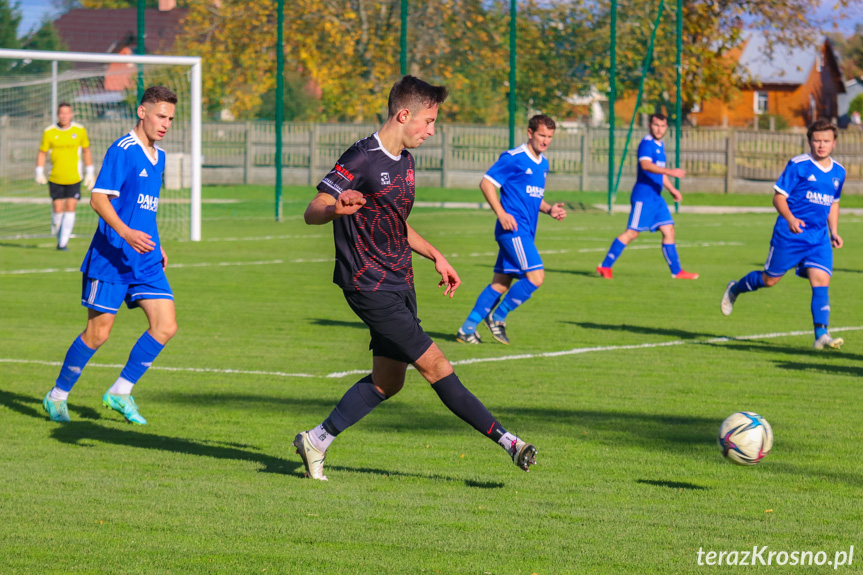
{"x": 557, "y": 211}
{"x": 489, "y": 190}
{"x": 140, "y": 241}
{"x": 795, "y": 226}
{"x": 324, "y": 208}
{"x": 675, "y": 193}
{"x": 449, "y": 277}
{"x": 833, "y": 226}
{"x": 649, "y": 166}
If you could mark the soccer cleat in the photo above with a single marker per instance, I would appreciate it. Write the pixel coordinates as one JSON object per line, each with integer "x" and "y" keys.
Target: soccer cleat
{"x": 604, "y": 272}
{"x": 683, "y": 275}
{"x": 726, "y": 306}
{"x": 468, "y": 337}
{"x": 523, "y": 454}
{"x": 62, "y": 248}
{"x": 125, "y": 405}
{"x": 828, "y": 341}
{"x": 57, "y": 410}
{"x": 313, "y": 459}
{"x": 497, "y": 329}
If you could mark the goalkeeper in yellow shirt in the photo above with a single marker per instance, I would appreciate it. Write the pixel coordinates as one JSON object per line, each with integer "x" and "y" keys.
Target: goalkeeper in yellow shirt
{"x": 67, "y": 142}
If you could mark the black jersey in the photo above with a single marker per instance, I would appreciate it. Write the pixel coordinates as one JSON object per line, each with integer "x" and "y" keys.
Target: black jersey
{"x": 372, "y": 250}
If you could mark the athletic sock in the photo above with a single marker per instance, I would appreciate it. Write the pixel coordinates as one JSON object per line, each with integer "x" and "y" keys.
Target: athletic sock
{"x": 355, "y": 404}
{"x": 484, "y": 304}
{"x": 74, "y": 363}
{"x": 464, "y": 404}
{"x": 321, "y": 438}
{"x": 141, "y": 357}
{"x": 57, "y": 394}
{"x": 820, "y": 310}
{"x": 517, "y": 295}
{"x": 56, "y": 219}
{"x": 613, "y": 254}
{"x": 752, "y": 281}
{"x": 671, "y": 258}
{"x": 66, "y": 229}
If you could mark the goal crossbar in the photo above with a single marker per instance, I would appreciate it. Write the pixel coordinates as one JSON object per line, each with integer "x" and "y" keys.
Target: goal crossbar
{"x": 193, "y": 62}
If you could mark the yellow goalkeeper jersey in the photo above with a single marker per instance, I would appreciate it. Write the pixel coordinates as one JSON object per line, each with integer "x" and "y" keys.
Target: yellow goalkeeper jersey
{"x": 64, "y": 147}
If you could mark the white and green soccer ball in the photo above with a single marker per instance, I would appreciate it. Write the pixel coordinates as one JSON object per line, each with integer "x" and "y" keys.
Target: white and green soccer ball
{"x": 745, "y": 438}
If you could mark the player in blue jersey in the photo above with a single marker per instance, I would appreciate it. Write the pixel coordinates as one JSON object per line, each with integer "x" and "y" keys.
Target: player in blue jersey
{"x": 125, "y": 261}
{"x": 520, "y": 174}
{"x": 368, "y": 196}
{"x": 649, "y": 211}
{"x": 806, "y": 230}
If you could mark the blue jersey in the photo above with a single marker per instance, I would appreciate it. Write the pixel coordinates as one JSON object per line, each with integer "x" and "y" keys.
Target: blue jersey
{"x": 521, "y": 179}
{"x": 646, "y": 182}
{"x": 811, "y": 191}
{"x": 134, "y": 179}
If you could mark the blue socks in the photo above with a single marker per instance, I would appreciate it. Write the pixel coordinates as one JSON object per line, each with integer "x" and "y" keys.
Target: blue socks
{"x": 141, "y": 357}
{"x": 464, "y": 404}
{"x": 820, "y": 310}
{"x": 750, "y": 282}
{"x": 356, "y": 403}
{"x": 484, "y": 304}
{"x": 76, "y": 359}
{"x": 669, "y": 251}
{"x": 517, "y": 295}
{"x": 613, "y": 254}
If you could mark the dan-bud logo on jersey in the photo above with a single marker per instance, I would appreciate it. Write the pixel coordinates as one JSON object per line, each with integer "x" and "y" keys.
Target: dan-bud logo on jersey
{"x": 148, "y": 202}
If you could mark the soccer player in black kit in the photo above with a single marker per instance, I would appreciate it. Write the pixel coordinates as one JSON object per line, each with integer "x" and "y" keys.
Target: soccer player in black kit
{"x": 368, "y": 196}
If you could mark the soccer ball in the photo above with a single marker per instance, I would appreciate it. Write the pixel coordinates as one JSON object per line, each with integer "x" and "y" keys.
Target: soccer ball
{"x": 745, "y": 438}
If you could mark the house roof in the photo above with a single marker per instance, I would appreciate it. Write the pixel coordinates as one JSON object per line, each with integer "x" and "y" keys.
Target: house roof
{"x": 108, "y": 30}
{"x": 784, "y": 65}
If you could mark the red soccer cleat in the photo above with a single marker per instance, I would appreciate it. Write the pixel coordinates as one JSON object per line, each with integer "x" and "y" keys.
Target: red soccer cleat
{"x": 604, "y": 272}
{"x": 684, "y": 275}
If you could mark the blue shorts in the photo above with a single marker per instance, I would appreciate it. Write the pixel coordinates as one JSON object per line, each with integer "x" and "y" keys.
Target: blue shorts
{"x": 649, "y": 212}
{"x": 787, "y": 253}
{"x": 107, "y": 297}
{"x": 517, "y": 255}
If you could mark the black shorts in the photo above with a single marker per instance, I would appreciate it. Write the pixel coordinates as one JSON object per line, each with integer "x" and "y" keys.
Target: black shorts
{"x": 62, "y": 192}
{"x": 393, "y": 323}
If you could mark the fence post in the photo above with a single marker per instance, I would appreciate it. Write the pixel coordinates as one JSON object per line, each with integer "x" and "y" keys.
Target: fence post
{"x": 313, "y": 154}
{"x": 4, "y": 150}
{"x": 249, "y": 158}
{"x": 730, "y": 160}
{"x": 585, "y": 158}
{"x": 443, "y": 156}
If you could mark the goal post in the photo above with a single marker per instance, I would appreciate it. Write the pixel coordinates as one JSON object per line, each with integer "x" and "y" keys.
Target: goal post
{"x": 103, "y": 100}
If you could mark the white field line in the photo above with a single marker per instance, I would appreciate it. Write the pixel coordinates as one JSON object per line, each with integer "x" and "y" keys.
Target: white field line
{"x": 330, "y": 260}
{"x": 340, "y": 374}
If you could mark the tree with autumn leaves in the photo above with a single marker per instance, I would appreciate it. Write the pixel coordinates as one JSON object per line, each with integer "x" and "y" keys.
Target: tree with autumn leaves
{"x": 343, "y": 55}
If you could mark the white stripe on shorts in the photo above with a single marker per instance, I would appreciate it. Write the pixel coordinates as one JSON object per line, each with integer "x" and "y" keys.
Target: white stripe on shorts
{"x": 636, "y": 214}
{"x": 94, "y": 286}
{"x": 519, "y": 253}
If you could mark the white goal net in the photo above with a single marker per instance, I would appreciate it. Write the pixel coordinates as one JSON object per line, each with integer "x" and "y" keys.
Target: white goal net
{"x": 103, "y": 90}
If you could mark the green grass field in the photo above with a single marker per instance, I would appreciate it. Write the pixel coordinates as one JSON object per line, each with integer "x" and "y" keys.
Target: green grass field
{"x": 629, "y": 480}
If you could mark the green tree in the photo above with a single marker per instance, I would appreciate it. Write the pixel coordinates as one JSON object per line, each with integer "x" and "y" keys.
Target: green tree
{"x": 856, "y": 104}
{"x": 44, "y": 38}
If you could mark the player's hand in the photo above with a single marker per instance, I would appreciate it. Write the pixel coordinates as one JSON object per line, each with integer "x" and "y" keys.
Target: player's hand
{"x": 164, "y": 258}
{"x": 676, "y": 173}
{"x": 675, "y": 194}
{"x": 557, "y": 212}
{"x": 796, "y": 226}
{"x": 349, "y": 202}
{"x": 508, "y": 222}
{"x": 449, "y": 277}
{"x": 836, "y": 241}
{"x": 40, "y": 176}
{"x": 90, "y": 178}
{"x": 141, "y": 242}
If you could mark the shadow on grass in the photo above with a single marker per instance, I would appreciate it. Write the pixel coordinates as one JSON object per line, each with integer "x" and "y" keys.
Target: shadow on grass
{"x": 797, "y": 352}
{"x": 360, "y": 325}
{"x": 821, "y": 368}
{"x": 671, "y": 484}
{"x": 32, "y": 407}
{"x": 22, "y": 246}
{"x": 588, "y": 274}
{"x": 644, "y": 330}
{"x": 433, "y": 477}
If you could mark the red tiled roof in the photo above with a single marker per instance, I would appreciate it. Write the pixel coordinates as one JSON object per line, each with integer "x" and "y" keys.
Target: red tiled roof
{"x": 109, "y": 30}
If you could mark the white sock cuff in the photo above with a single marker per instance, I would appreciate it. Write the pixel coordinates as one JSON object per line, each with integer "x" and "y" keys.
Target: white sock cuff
{"x": 121, "y": 387}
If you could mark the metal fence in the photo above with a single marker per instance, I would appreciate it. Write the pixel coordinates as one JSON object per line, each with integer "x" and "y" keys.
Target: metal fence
{"x": 717, "y": 160}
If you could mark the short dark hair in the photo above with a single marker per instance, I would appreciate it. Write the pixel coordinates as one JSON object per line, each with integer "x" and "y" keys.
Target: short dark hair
{"x": 156, "y": 94}
{"x": 822, "y": 125}
{"x": 658, "y": 116}
{"x": 540, "y": 120}
{"x": 64, "y": 105}
{"x": 411, "y": 93}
